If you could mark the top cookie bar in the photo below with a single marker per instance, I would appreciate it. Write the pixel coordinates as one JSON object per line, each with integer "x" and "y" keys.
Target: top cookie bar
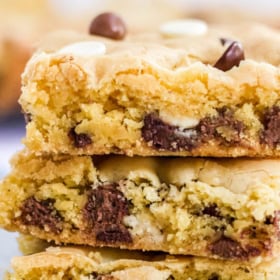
{"x": 213, "y": 91}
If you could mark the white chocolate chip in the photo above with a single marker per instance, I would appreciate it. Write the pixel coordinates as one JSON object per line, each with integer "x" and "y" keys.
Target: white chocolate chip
{"x": 214, "y": 174}
{"x": 179, "y": 171}
{"x": 192, "y": 27}
{"x": 181, "y": 122}
{"x": 84, "y": 49}
{"x": 241, "y": 181}
{"x": 134, "y": 169}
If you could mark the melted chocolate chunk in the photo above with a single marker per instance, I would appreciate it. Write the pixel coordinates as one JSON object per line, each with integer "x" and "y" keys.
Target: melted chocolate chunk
{"x": 79, "y": 140}
{"x": 230, "y": 249}
{"x": 214, "y": 276}
{"x": 271, "y": 131}
{"x": 212, "y": 210}
{"x": 41, "y": 214}
{"x": 162, "y": 136}
{"x": 209, "y": 128}
{"x": 110, "y": 234}
{"x": 108, "y": 25}
{"x": 104, "y": 213}
{"x": 232, "y": 56}
{"x": 252, "y": 251}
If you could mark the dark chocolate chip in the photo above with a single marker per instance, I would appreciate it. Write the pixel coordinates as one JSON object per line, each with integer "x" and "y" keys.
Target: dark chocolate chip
{"x": 270, "y": 134}
{"x": 163, "y": 136}
{"x": 108, "y": 25}
{"x": 41, "y": 214}
{"x": 112, "y": 233}
{"x": 232, "y": 56}
{"x": 80, "y": 140}
{"x": 252, "y": 251}
{"x": 208, "y": 128}
{"x": 104, "y": 212}
{"x": 214, "y": 276}
{"x": 212, "y": 210}
{"x": 227, "y": 248}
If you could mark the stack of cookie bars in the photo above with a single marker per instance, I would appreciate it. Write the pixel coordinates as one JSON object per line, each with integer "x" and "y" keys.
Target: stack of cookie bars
{"x": 153, "y": 155}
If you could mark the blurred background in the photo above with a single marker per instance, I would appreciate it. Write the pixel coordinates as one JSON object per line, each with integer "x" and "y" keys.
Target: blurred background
{"x": 24, "y": 22}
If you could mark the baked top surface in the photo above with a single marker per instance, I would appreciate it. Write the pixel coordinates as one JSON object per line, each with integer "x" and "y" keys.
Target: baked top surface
{"x": 260, "y": 44}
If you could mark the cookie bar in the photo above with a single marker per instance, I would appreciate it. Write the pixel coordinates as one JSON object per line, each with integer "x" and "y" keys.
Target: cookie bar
{"x": 104, "y": 264}
{"x": 212, "y": 94}
{"x": 228, "y": 209}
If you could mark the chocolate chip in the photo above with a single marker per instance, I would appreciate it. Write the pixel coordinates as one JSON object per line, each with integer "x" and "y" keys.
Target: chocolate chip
{"x": 80, "y": 140}
{"x": 214, "y": 276}
{"x": 41, "y": 214}
{"x": 108, "y": 25}
{"x": 232, "y": 56}
{"x": 252, "y": 251}
{"x": 270, "y": 134}
{"x": 163, "y": 136}
{"x": 227, "y": 248}
{"x": 212, "y": 210}
{"x": 111, "y": 234}
{"x": 104, "y": 213}
{"x": 209, "y": 127}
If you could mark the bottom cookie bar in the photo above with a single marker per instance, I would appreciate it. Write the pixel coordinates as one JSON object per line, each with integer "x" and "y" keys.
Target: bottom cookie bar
{"x": 85, "y": 263}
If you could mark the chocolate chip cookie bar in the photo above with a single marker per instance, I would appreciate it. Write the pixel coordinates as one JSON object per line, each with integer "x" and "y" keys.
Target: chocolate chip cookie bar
{"x": 104, "y": 264}
{"x": 227, "y": 209}
{"x": 213, "y": 92}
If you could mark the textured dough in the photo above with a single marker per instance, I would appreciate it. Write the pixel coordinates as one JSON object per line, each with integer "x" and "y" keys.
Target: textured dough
{"x": 181, "y": 206}
{"x": 108, "y": 96}
{"x": 88, "y": 264}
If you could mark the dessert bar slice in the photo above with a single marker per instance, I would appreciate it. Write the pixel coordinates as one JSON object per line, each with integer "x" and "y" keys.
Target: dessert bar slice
{"x": 86, "y": 263}
{"x": 111, "y": 264}
{"x": 213, "y": 94}
{"x": 227, "y": 209}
